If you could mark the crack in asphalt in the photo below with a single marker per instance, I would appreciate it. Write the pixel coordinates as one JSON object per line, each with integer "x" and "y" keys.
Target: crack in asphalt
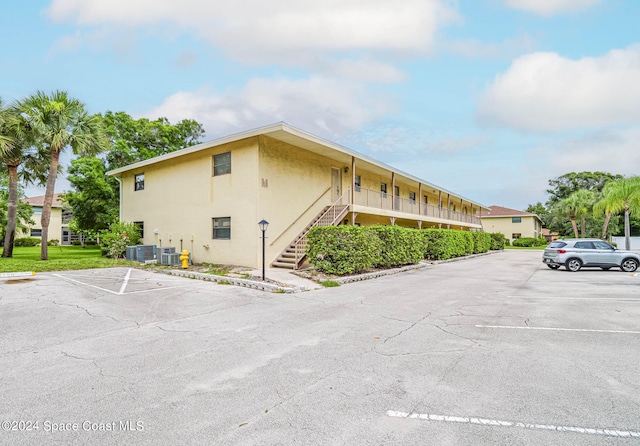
{"x": 408, "y": 328}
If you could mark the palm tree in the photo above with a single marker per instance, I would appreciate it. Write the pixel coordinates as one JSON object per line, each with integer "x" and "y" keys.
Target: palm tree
{"x": 621, "y": 196}
{"x": 62, "y": 122}
{"x": 16, "y": 149}
{"x": 577, "y": 206}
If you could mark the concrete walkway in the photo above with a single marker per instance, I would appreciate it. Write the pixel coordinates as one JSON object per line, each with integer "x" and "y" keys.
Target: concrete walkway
{"x": 285, "y": 276}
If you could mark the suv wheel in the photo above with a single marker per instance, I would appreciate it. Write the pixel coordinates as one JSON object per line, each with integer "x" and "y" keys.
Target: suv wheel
{"x": 573, "y": 265}
{"x": 629, "y": 265}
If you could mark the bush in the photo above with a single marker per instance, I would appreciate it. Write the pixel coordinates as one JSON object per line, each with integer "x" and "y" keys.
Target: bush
{"x": 498, "y": 241}
{"x": 481, "y": 242}
{"x": 443, "y": 244}
{"x": 27, "y": 241}
{"x": 343, "y": 249}
{"x": 524, "y": 242}
{"x": 400, "y": 246}
{"x": 53, "y": 242}
{"x": 120, "y": 235}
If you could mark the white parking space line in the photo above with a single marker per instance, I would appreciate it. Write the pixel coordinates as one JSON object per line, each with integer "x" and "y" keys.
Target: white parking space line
{"x": 122, "y": 288}
{"x": 125, "y": 282}
{"x": 501, "y": 423}
{"x": 607, "y": 299}
{"x": 515, "y": 327}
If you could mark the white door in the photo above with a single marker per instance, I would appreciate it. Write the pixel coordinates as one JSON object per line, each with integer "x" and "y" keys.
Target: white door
{"x": 336, "y": 188}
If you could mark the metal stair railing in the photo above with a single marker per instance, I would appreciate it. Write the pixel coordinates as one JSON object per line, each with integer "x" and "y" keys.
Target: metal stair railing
{"x": 328, "y": 218}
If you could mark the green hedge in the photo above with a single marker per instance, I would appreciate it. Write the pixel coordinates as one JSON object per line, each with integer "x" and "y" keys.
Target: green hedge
{"x": 354, "y": 249}
{"x": 529, "y": 241}
{"x": 27, "y": 241}
{"x": 498, "y": 241}
{"x": 343, "y": 249}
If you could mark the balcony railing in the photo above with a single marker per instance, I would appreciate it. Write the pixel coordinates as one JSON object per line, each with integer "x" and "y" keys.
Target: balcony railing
{"x": 381, "y": 200}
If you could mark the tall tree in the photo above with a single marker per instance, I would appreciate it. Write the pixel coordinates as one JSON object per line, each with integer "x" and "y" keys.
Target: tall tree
{"x": 564, "y": 185}
{"x": 622, "y": 196}
{"x": 540, "y": 211}
{"x": 577, "y": 206}
{"x": 24, "y": 212}
{"x": 16, "y": 151}
{"x": 62, "y": 122}
{"x": 94, "y": 200}
{"x": 134, "y": 140}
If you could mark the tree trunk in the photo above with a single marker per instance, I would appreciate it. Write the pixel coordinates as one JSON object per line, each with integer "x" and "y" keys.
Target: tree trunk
{"x": 605, "y": 225}
{"x": 574, "y": 225}
{"x": 627, "y": 230}
{"x": 582, "y": 228}
{"x": 12, "y": 212}
{"x": 48, "y": 201}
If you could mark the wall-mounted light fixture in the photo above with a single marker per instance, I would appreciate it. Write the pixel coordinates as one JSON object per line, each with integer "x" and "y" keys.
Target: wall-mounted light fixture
{"x": 346, "y": 169}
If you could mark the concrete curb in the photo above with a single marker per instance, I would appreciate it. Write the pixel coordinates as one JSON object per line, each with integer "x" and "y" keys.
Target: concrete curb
{"x": 225, "y": 280}
{"x": 262, "y": 286}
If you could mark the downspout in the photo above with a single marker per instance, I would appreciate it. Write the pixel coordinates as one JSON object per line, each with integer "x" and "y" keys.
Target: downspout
{"x": 120, "y": 195}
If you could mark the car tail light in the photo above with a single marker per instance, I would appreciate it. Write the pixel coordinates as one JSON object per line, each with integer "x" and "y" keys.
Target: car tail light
{"x": 562, "y": 251}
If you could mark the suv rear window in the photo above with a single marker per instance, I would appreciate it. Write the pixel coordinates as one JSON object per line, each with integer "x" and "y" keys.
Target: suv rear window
{"x": 557, "y": 244}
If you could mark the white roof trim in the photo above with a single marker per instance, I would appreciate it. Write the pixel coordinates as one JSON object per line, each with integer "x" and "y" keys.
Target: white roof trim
{"x": 268, "y": 131}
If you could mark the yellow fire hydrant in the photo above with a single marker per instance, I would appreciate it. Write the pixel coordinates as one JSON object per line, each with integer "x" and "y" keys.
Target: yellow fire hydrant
{"x": 185, "y": 259}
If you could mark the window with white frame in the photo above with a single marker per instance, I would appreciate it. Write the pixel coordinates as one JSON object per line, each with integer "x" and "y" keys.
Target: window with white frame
{"x": 139, "y": 182}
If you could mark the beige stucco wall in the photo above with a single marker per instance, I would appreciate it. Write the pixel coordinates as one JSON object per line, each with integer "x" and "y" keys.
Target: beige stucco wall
{"x": 529, "y": 227}
{"x": 55, "y": 225}
{"x": 181, "y": 197}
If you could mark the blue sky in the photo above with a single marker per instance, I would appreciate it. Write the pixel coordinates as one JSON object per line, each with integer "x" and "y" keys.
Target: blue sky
{"x": 487, "y": 98}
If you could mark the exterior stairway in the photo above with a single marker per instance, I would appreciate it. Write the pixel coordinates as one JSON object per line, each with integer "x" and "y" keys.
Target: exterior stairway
{"x": 294, "y": 255}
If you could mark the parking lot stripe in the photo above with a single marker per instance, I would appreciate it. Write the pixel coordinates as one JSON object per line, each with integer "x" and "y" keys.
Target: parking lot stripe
{"x": 501, "y": 423}
{"x": 514, "y": 327}
{"x": 608, "y": 299}
{"x": 83, "y": 283}
{"x": 125, "y": 282}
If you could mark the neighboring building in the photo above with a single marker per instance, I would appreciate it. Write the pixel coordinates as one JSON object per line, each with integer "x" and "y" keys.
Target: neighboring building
{"x": 58, "y": 223}
{"x": 510, "y": 222}
{"x": 209, "y": 198}
{"x": 550, "y": 236}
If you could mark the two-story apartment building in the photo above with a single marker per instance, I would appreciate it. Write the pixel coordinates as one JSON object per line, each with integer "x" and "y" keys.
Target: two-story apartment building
{"x": 209, "y": 198}
{"x": 58, "y": 223}
{"x": 511, "y": 222}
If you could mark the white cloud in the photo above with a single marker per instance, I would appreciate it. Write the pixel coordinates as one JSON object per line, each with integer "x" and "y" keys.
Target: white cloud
{"x": 457, "y": 144}
{"x": 544, "y": 92}
{"x": 551, "y": 7}
{"x": 257, "y": 30}
{"x": 321, "y": 105}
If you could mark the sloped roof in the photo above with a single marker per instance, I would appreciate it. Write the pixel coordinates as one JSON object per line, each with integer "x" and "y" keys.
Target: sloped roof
{"x": 39, "y": 201}
{"x": 499, "y": 211}
{"x": 290, "y": 135}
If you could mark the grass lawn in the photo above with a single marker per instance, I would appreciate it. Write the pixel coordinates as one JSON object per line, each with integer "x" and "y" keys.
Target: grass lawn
{"x": 61, "y": 258}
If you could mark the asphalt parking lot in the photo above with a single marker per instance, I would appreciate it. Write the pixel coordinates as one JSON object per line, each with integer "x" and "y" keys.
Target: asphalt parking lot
{"x": 494, "y": 350}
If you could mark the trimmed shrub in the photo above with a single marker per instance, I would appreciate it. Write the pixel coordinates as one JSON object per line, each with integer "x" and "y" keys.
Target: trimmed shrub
{"x": 481, "y": 242}
{"x": 399, "y": 246}
{"x": 343, "y": 249}
{"x": 27, "y": 241}
{"x": 498, "y": 241}
{"x": 53, "y": 242}
{"x": 443, "y": 244}
{"x": 120, "y": 235}
{"x": 530, "y": 241}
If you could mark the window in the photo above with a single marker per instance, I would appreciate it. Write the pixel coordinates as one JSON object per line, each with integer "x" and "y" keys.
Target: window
{"x": 412, "y": 197}
{"x": 383, "y": 189}
{"x": 396, "y": 191}
{"x": 140, "y": 225}
{"x": 584, "y": 245}
{"x": 603, "y": 245}
{"x": 139, "y": 182}
{"x": 222, "y": 228}
{"x": 37, "y": 210}
{"x": 36, "y": 233}
{"x": 557, "y": 245}
{"x": 222, "y": 164}
{"x": 516, "y": 235}
{"x": 516, "y": 219}
{"x": 357, "y": 183}
{"x": 426, "y": 199}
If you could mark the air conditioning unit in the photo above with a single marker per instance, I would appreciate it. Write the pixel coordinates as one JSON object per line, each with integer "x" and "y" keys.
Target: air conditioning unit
{"x": 164, "y": 250}
{"x": 145, "y": 252}
{"x": 170, "y": 259}
{"x": 130, "y": 253}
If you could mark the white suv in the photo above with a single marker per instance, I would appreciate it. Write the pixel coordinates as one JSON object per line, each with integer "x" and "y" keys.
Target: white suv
{"x": 574, "y": 253}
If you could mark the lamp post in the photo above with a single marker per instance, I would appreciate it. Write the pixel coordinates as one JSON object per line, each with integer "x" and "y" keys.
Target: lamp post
{"x": 263, "y": 224}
